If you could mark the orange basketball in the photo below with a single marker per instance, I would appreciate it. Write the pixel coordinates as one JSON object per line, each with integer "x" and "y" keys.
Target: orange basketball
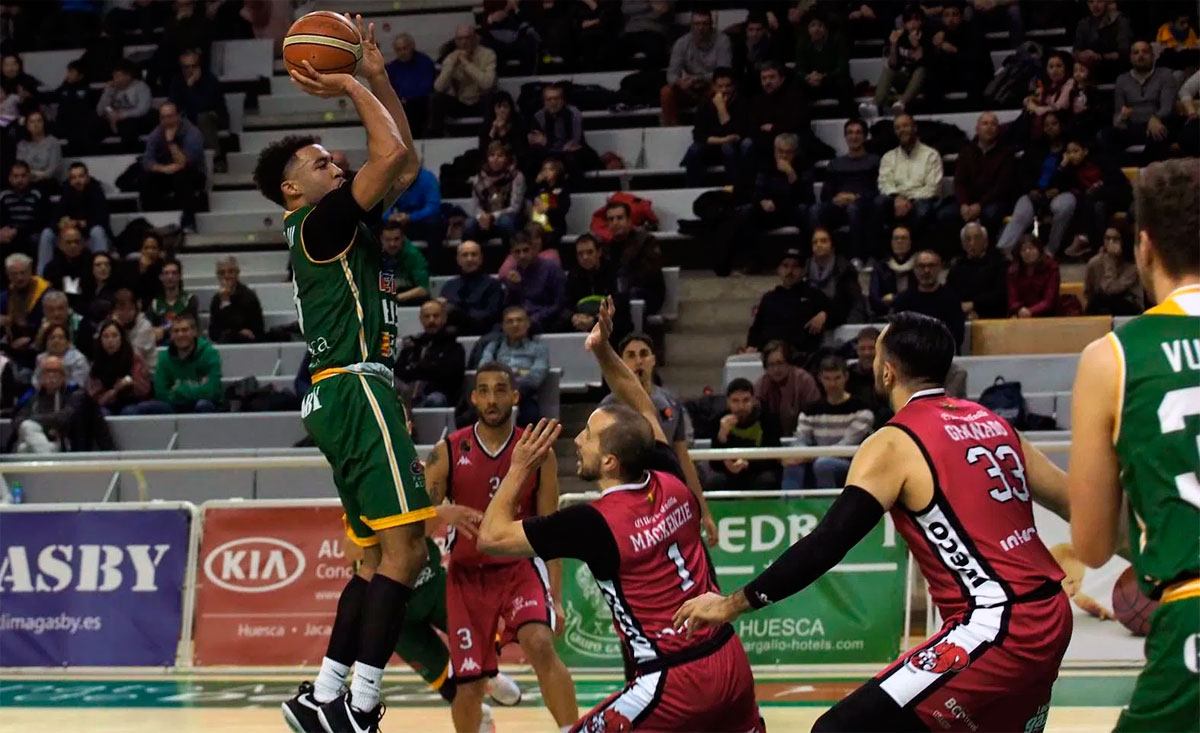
{"x": 326, "y": 40}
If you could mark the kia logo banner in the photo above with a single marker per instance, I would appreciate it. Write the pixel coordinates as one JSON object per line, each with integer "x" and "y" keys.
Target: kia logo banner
{"x": 92, "y": 587}
{"x": 254, "y": 564}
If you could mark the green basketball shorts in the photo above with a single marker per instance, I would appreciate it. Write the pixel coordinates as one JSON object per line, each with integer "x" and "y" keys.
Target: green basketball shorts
{"x": 358, "y": 423}
{"x": 1167, "y": 694}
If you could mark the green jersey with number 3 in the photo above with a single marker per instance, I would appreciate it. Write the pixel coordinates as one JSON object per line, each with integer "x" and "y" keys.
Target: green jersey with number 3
{"x": 345, "y": 308}
{"x": 1157, "y": 437}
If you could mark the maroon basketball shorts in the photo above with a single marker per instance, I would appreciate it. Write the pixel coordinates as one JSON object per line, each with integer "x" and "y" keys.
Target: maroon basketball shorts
{"x": 478, "y": 596}
{"x": 712, "y": 693}
{"x": 991, "y": 669}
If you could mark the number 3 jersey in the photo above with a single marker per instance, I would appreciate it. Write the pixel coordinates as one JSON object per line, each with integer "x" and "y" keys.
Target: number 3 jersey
{"x": 975, "y": 543}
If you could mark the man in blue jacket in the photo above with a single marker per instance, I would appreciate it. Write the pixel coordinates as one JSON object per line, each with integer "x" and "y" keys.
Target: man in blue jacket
{"x": 419, "y": 211}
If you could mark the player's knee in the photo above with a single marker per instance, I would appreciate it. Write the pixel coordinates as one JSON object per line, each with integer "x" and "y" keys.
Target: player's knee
{"x": 537, "y": 641}
{"x": 470, "y": 693}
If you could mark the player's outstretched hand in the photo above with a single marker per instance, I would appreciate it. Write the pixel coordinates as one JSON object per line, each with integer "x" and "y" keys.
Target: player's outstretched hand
{"x": 602, "y": 331}
{"x": 372, "y": 63}
{"x": 320, "y": 85}
{"x": 703, "y": 612}
{"x": 536, "y": 443}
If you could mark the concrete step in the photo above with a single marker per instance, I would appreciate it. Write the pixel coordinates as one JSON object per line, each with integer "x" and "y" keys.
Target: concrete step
{"x": 702, "y": 316}
{"x": 708, "y": 287}
{"x": 701, "y": 349}
{"x": 689, "y": 381}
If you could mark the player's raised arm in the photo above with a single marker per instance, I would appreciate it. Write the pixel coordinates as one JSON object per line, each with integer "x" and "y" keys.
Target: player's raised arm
{"x": 1093, "y": 481}
{"x": 623, "y": 382}
{"x": 501, "y": 533}
{"x": 372, "y": 68}
{"x": 385, "y": 149}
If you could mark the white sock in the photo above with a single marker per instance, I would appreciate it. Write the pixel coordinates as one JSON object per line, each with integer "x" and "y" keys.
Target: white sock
{"x": 331, "y": 680}
{"x": 565, "y": 729}
{"x": 364, "y": 690}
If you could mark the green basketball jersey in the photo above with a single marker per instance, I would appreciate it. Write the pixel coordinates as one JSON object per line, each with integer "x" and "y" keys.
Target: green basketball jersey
{"x": 346, "y": 312}
{"x": 1157, "y": 437}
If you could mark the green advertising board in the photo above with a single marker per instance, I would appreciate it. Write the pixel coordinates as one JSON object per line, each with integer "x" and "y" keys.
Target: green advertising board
{"x": 855, "y": 614}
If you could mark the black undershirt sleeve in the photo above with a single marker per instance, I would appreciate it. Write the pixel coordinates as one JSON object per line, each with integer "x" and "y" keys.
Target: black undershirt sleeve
{"x": 330, "y": 227}
{"x": 663, "y": 458}
{"x": 853, "y": 514}
{"x": 579, "y": 532}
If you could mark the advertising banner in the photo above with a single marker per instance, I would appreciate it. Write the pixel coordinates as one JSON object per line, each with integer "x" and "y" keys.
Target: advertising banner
{"x": 267, "y": 584}
{"x": 89, "y": 587}
{"x": 855, "y": 614}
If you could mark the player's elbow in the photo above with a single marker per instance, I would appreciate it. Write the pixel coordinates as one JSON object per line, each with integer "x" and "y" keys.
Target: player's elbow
{"x": 1091, "y": 548}
{"x": 490, "y": 541}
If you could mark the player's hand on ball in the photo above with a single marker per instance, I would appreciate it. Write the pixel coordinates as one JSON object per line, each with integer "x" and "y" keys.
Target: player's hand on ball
{"x": 703, "y": 612}
{"x": 321, "y": 85}
{"x": 372, "y": 63}
{"x": 536, "y": 443}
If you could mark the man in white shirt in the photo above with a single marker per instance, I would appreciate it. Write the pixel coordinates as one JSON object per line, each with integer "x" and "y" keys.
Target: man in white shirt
{"x": 910, "y": 179}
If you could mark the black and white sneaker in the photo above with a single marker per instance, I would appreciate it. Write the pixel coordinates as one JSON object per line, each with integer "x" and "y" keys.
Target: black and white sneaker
{"x": 338, "y": 717}
{"x": 301, "y": 711}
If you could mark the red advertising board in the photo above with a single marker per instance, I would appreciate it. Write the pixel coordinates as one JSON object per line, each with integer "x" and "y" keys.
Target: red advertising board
{"x": 267, "y": 584}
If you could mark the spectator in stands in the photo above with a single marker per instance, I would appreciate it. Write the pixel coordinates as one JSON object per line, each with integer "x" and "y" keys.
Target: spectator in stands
{"x": 54, "y": 341}
{"x": 909, "y": 52}
{"x": 1099, "y": 187}
{"x": 744, "y": 424}
{"x": 21, "y": 308}
{"x": 70, "y": 269}
{"x": 794, "y": 311}
{"x": 861, "y": 376}
{"x": 188, "y": 377}
{"x": 537, "y": 238}
{"x": 1102, "y": 40}
{"x": 977, "y": 277}
{"x": 475, "y": 299}
{"x": 14, "y": 80}
{"x": 647, "y": 30}
{"x": 721, "y": 132}
{"x": 588, "y": 284}
{"x": 549, "y": 202}
{"x": 234, "y": 315}
{"x": 1054, "y": 92}
{"x": 910, "y": 178}
{"x": 784, "y": 388}
{"x": 894, "y": 275}
{"x": 638, "y": 258}
{"x": 104, "y": 288}
{"x": 82, "y": 206}
{"x": 694, "y": 58}
{"x": 174, "y": 165}
{"x": 837, "y": 278}
{"x": 1178, "y": 41}
{"x": 431, "y": 365}
{"x": 468, "y": 76}
{"x": 419, "y": 212}
{"x": 124, "y": 106}
{"x": 411, "y": 75}
{"x": 1189, "y": 102}
{"x": 404, "y": 265}
{"x": 43, "y": 423}
{"x": 839, "y": 418}
{"x": 56, "y": 311}
{"x": 147, "y": 278}
{"x": 758, "y": 45}
{"x": 1011, "y": 9}
{"x": 197, "y": 95}
{"x": 172, "y": 301}
{"x": 502, "y": 122}
{"x": 823, "y": 61}
{"x": 1033, "y": 281}
{"x": 24, "y": 212}
{"x": 535, "y": 284}
{"x": 499, "y": 197}
{"x": 849, "y": 192}
{"x": 779, "y": 109}
{"x": 960, "y": 61}
{"x": 127, "y": 313}
{"x": 782, "y": 194}
{"x": 1111, "y": 284}
{"x": 932, "y": 298}
{"x": 75, "y": 115}
{"x": 982, "y": 180}
{"x": 557, "y": 129}
{"x": 504, "y": 27}
{"x": 1042, "y": 160}
{"x": 527, "y": 357}
{"x": 43, "y": 153}
{"x": 119, "y": 378}
{"x": 1144, "y": 104}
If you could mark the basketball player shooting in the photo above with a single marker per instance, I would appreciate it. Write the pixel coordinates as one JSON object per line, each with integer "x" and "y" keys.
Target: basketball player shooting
{"x": 958, "y": 481}
{"x": 642, "y": 542}
{"x": 1139, "y": 429}
{"x": 352, "y": 412}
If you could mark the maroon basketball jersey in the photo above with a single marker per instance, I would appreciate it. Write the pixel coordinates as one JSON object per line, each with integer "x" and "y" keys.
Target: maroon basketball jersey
{"x": 663, "y": 562}
{"x": 474, "y": 477}
{"x": 976, "y": 542}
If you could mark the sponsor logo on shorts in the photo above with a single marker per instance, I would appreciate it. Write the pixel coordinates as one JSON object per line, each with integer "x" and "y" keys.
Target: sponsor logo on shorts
{"x": 254, "y": 564}
{"x": 608, "y": 721}
{"x": 960, "y": 713}
{"x": 520, "y": 603}
{"x": 416, "y": 468}
{"x": 468, "y": 665}
{"x": 943, "y": 657}
{"x": 1037, "y": 723}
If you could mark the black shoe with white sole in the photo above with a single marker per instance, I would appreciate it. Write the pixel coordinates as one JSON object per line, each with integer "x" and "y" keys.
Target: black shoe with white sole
{"x": 338, "y": 717}
{"x": 301, "y": 711}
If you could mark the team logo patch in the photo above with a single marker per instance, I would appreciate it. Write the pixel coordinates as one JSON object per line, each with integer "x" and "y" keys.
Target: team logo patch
{"x": 609, "y": 721}
{"x": 465, "y": 446}
{"x": 416, "y": 468}
{"x": 945, "y": 656}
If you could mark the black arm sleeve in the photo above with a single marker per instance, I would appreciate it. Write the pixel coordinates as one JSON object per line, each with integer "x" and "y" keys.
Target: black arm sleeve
{"x": 329, "y": 228}
{"x": 663, "y": 458}
{"x": 580, "y": 532}
{"x": 852, "y": 516}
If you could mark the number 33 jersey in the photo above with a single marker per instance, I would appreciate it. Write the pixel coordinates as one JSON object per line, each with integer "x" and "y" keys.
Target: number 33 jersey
{"x": 975, "y": 543}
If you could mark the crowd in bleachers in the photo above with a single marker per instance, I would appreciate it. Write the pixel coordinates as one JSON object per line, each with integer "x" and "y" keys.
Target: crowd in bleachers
{"x": 494, "y": 238}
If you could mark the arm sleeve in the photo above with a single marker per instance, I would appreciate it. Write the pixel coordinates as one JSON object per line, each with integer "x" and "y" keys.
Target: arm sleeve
{"x": 142, "y": 97}
{"x": 1191, "y": 87}
{"x": 105, "y": 100}
{"x": 853, "y": 514}
{"x": 1118, "y": 101}
{"x": 328, "y": 230}
{"x": 675, "y": 66}
{"x": 887, "y": 175}
{"x": 431, "y": 201}
{"x": 933, "y": 176}
{"x": 484, "y": 74}
{"x": 579, "y": 532}
{"x": 663, "y": 458}
{"x": 442, "y": 82}
{"x": 804, "y": 429}
{"x": 1014, "y": 299}
{"x": 1166, "y": 99}
{"x": 541, "y": 365}
{"x": 154, "y": 145}
{"x": 724, "y": 52}
{"x": 193, "y": 148}
{"x": 859, "y": 428}
{"x": 577, "y": 127}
